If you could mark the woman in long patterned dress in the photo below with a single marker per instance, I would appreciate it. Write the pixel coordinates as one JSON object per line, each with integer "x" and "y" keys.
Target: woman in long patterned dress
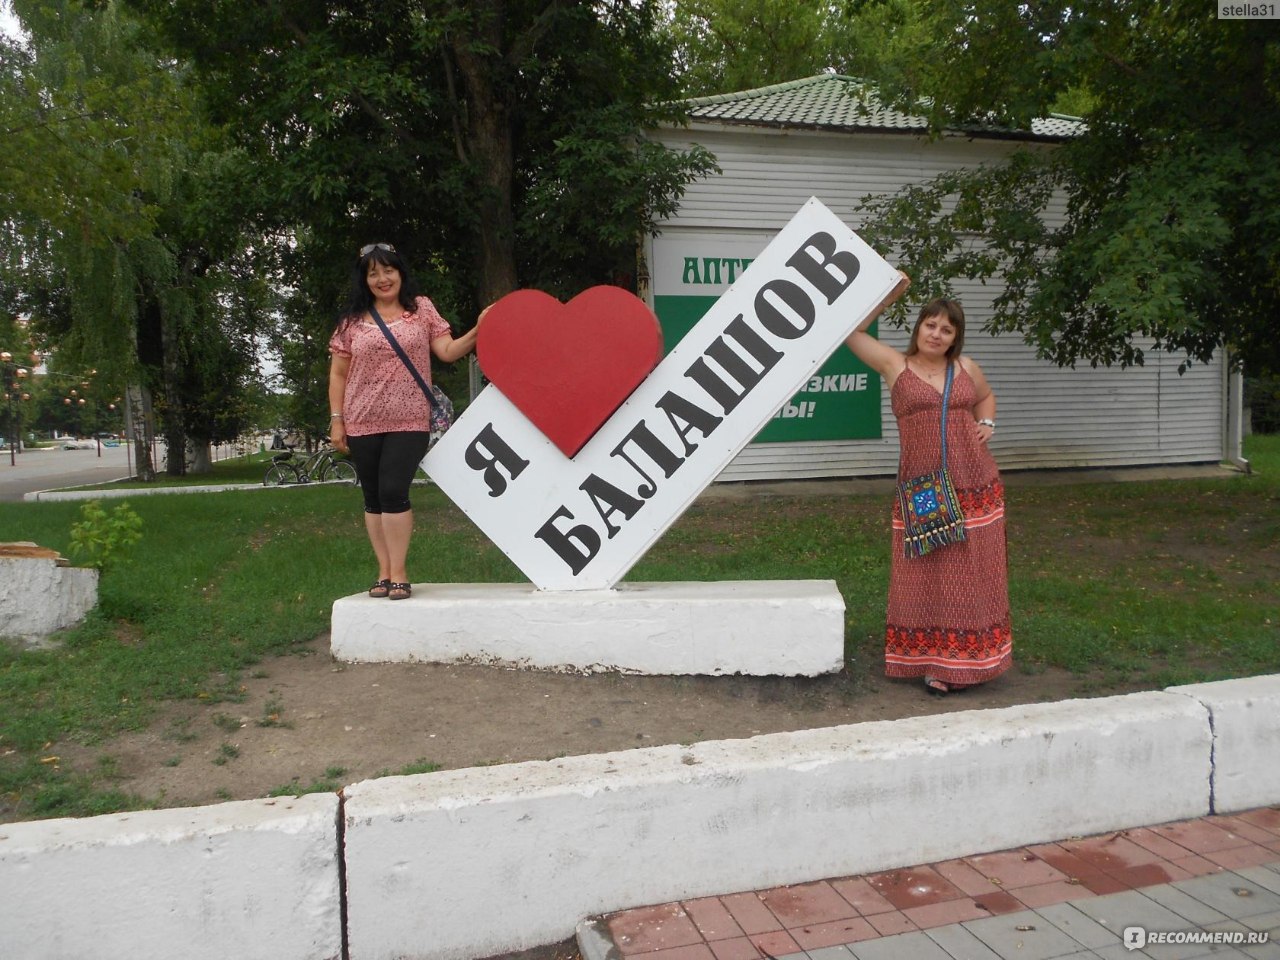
{"x": 948, "y": 614}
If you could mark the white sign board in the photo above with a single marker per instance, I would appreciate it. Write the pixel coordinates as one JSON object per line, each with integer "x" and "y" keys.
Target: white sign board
{"x": 582, "y": 523}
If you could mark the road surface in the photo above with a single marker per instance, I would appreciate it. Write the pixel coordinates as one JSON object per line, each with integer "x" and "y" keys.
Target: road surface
{"x": 47, "y": 468}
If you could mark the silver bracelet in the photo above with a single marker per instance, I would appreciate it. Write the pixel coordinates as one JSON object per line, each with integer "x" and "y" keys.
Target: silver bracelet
{"x": 335, "y": 416}
{"x": 987, "y": 422}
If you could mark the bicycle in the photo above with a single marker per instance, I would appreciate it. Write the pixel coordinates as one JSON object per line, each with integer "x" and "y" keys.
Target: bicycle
{"x": 323, "y": 466}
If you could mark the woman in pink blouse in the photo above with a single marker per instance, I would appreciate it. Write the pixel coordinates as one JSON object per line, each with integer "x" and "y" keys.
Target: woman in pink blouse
{"x": 378, "y": 412}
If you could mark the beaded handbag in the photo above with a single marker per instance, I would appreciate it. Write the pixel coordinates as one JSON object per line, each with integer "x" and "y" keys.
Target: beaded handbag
{"x": 931, "y": 513}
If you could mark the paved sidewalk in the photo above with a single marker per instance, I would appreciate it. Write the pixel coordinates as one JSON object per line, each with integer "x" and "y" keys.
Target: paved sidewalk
{"x": 1069, "y": 899}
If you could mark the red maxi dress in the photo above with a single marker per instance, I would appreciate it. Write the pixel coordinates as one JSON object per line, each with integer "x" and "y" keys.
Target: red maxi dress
{"x": 948, "y": 615}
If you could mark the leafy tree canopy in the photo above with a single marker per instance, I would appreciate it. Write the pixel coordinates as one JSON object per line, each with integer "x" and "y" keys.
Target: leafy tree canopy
{"x": 122, "y": 215}
{"x": 496, "y": 143}
{"x": 1157, "y": 227}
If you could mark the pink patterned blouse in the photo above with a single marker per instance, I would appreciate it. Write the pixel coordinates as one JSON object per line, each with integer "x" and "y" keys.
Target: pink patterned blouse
{"x": 381, "y": 394}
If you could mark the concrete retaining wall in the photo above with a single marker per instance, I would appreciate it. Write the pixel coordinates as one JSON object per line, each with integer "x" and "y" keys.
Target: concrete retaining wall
{"x": 1246, "y": 728}
{"x": 253, "y": 879}
{"x": 470, "y": 863}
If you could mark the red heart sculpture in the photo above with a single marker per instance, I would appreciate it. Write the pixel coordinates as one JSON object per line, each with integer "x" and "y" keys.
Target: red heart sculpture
{"x": 568, "y": 366}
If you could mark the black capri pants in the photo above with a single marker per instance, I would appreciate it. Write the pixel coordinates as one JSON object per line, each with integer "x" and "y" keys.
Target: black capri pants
{"x": 385, "y": 464}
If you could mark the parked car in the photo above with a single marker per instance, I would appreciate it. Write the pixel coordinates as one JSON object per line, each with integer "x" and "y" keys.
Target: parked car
{"x": 71, "y": 444}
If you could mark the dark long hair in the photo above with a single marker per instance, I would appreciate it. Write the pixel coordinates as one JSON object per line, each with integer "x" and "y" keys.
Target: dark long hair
{"x": 941, "y": 307}
{"x": 360, "y": 297}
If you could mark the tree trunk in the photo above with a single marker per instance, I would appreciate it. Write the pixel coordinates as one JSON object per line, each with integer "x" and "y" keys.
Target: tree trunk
{"x": 140, "y": 430}
{"x": 200, "y": 457}
{"x": 175, "y": 438}
{"x": 488, "y": 144}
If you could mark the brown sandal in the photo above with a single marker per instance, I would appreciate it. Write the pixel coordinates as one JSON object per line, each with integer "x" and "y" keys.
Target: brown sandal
{"x": 380, "y": 589}
{"x": 399, "y": 591}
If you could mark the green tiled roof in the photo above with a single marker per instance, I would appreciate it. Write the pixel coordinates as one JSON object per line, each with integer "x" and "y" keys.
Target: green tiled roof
{"x": 831, "y": 102}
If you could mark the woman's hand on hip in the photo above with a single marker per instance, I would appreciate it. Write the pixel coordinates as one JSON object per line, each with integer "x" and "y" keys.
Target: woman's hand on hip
{"x": 983, "y": 432}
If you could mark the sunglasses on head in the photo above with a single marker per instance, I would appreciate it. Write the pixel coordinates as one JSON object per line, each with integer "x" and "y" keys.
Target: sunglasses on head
{"x": 368, "y": 248}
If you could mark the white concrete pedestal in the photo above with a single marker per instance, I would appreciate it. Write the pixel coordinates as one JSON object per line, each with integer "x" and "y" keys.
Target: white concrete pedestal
{"x": 38, "y": 597}
{"x": 759, "y": 627}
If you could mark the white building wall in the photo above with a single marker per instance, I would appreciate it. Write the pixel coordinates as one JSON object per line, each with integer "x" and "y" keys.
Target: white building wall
{"x": 1048, "y": 416}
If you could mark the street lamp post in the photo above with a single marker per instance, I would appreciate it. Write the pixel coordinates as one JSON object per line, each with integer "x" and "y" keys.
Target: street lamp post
{"x": 76, "y": 403}
{"x": 13, "y": 375}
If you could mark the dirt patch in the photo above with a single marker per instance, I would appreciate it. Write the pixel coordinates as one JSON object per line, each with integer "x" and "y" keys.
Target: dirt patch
{"x": 306, "y": 721}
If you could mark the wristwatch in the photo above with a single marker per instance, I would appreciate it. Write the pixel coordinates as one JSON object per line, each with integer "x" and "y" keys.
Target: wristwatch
{"x": 987, "y": 422}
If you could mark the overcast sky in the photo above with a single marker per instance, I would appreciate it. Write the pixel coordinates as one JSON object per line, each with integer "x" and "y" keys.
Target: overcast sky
{"x": 8, "y": 22}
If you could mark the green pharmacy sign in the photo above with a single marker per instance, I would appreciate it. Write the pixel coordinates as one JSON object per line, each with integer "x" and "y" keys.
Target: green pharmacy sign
{"x": 690, "y": 272}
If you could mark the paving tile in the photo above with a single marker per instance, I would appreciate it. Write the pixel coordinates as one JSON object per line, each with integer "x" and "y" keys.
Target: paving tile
{"x": 914, "y": 887}
{"x": 949, "y": 911}
{"x": 712, "y": 918}
{"x": 736, "y": 948}
{"x": 1197, "y": 866}
{"x": 960, "y": 944}
{"x": 861, "y": 896}
{"x": 1064, "y": 862}
{"x": 915, "y": 946}
{"x": 1110, "y": 853}
{"x": 1266, "y": 817}
{"x": 1103, "y": 884}
{"x": 806, "y": 903}
{"x": 998, "y": 902}
{"x": 1262, "y": 951}
{"x": 1023, "y": 935}
{"x": 1247, "y": 829}
{"x": 1078, "y": 925}
{"x": 1047, "y": 894}
{"x": 1150, "y": 874}
{"x": 749, "y": 913}
{"x": 1231, "y": 894}
{"x": 1252, "y": 855}
{"x": 1119, "y": 952}
{"x": 891, "y": 923}
{"x": 777, "y": 942}
{"x": 1015, "y": 868}
{"x": 697, "y": 951}
{"x": 647, "y": 929}
{"x": 833, "y": 932}
{"x": 1199, "y": 836}
{"x": 966, "y": 879}
{"x": 1195, "y": 912}
{"x": 1265, "y": 951}
{"x": 830, "y": 953}
{"x": 1135, "y": 909}
{"x": 1161, "y": 846}
{"x": 1220, "y": 952}
{"x": 1265, "y": 921}
{"x": 1129, "y": 909}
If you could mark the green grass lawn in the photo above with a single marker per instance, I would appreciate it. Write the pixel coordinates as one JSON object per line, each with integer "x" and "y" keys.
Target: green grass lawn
{"x": 1153, "y": 582}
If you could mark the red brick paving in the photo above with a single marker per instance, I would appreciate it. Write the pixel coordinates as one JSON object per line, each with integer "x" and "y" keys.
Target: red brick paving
{"x": 788, "y": 919}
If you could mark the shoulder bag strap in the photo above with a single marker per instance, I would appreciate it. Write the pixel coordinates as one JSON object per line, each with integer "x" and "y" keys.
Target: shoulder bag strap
{"x": 426, "y": 391}
{"x": 946, "y": 397}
